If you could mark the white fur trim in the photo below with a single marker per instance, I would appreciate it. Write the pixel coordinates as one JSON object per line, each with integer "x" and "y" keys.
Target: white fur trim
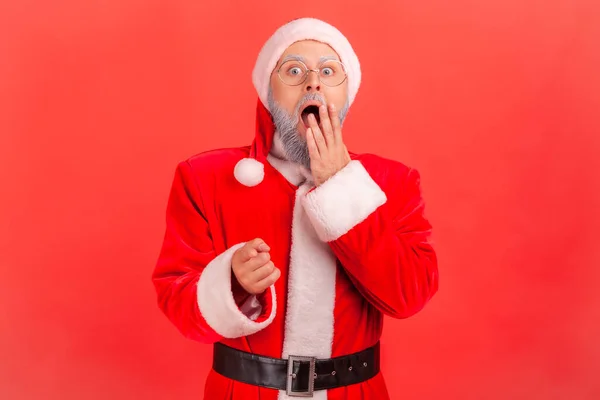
{"x": 311, "y": 292}
{"x": 217, "y": 304}
{"x": 249, "y": 172}
{"x": 303, "y": 29}
{"x": 343, "y": 201}
{"x": 290, "y": 171}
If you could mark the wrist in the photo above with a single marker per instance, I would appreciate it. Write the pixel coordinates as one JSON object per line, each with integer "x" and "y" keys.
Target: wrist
{"x": 239, "y": 293}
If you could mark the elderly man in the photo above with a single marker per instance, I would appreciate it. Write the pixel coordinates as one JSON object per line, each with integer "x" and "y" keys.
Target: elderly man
{"x": 286, "y": 254}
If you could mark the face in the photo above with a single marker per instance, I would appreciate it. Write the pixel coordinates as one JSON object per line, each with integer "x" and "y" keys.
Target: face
{"x": 291, "y": 104}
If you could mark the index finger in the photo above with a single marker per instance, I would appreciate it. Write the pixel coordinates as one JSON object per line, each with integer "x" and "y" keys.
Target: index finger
{"x": 249, "y": 250}
{"x": 258, "y": 244}
{"x": 335, "y": 122}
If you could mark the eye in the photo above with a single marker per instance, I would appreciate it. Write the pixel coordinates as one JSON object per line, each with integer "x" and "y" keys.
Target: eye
{"x": 327, "y": 71}
{"x": 295, "y": 71}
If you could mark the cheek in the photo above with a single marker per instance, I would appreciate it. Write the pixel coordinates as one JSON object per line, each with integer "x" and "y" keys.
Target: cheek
{"x": 338, "y": 96}
{"x": 339, "y": 100}
{"x": 285, "y": 98}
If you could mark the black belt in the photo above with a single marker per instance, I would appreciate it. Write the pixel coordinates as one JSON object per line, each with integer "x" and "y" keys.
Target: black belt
{"x": 298, "y": 376}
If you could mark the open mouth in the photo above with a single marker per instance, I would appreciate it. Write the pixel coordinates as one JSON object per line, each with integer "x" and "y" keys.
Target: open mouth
{"x": 310, "y": 109}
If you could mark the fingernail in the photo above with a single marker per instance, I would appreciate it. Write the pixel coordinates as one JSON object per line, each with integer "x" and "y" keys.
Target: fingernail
{"x": 332, "y": 107}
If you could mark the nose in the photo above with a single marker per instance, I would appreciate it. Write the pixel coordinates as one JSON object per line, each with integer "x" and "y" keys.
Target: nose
{"x": 312, "y": 82}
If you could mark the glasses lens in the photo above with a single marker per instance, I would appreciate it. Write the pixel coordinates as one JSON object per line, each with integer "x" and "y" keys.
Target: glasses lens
{"x": 292, "y": 72}
{"x": 332, "y": 73}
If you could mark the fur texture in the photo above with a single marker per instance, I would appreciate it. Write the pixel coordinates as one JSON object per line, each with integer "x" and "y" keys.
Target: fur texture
{"x": 217, "y": 305}
{"x": 249, "y": 172}
{"x": 311, "y": 293}
{"x": 343, "y": 201}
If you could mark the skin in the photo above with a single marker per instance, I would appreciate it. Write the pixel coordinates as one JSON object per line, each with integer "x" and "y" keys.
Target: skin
{"x": 287, "y": 97}
{"x": 327, "y": 152}
{"x": 253, "y": 267}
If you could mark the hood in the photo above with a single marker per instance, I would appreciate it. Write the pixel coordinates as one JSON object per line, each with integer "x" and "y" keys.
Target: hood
{"x": 250, "y": 171}
{"x": 264, "y": 133}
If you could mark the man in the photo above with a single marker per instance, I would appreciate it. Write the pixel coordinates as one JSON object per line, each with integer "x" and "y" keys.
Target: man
{"x": 286, "y": 254}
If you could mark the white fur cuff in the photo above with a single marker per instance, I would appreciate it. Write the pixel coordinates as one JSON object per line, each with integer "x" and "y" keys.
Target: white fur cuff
{"x": 217, "y": 305}
{"x": 343, "y": 201}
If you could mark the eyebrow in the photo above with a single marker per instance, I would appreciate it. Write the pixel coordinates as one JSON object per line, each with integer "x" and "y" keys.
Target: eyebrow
{"x": 297, "y": 57}
{"x": 293, "y": 57}
{"x": 327, "y": 58}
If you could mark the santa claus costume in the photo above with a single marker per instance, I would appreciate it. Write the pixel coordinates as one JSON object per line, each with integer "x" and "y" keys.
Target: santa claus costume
{"x": 350, "y": 251}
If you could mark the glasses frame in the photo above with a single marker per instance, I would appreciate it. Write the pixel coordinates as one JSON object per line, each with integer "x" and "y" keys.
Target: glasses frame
{"x": 317, "y": 71}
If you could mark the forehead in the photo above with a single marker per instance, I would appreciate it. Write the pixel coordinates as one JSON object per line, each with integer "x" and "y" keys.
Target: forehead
{"x": 310, "y": 50}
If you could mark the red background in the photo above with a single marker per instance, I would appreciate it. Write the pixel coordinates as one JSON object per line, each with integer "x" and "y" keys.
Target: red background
{"x": 495, "y": 102}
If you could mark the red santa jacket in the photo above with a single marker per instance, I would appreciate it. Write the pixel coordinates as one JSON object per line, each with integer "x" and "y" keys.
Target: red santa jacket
{"x": 350, "y": 251}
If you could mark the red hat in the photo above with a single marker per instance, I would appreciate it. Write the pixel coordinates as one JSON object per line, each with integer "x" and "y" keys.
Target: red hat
{"x": 250, "y": 171}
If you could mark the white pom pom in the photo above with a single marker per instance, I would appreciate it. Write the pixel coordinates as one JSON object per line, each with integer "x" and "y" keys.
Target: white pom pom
{"x": 249, "y": 172}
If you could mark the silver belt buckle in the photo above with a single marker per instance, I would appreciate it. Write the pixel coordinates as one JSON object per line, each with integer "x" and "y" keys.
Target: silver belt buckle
{"x": 291, "y": 377}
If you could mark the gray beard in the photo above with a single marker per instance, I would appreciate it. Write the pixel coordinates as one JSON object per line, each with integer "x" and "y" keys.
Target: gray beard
{"x": 294, "y": 145}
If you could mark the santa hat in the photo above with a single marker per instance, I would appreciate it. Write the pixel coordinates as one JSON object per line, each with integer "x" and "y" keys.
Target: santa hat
{"x": 250, "y": 171}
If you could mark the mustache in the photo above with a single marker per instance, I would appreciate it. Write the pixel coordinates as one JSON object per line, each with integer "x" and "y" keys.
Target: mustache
{"x": 305, "y": 99}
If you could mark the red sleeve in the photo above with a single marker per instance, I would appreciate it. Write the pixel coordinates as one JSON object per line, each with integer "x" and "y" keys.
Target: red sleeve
{"x": 385, "y": 250}
{"x": 195, "y": 286}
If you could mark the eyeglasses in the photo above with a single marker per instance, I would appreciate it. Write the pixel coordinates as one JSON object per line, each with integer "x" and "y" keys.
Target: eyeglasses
{"x": 295, "y": 72}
